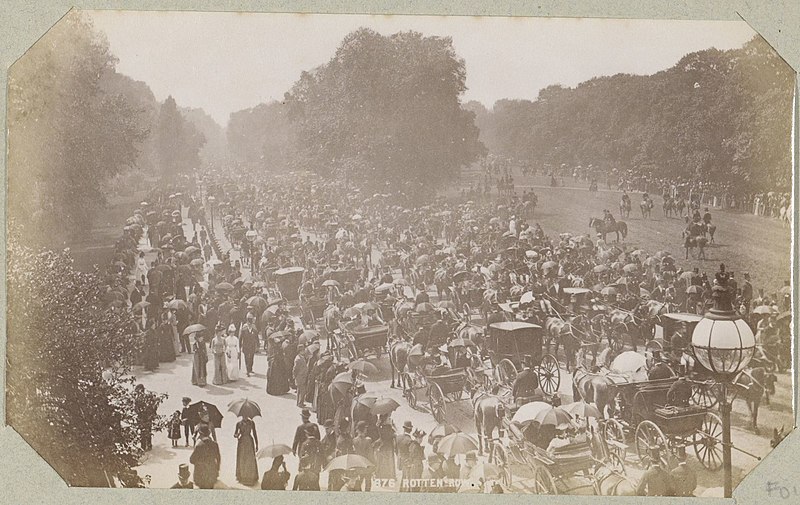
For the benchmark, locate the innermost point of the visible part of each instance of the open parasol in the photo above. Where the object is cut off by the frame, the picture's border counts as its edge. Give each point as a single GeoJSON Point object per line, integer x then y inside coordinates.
{"type": "Point", "coordinates": [197, 411]}
{"type": "Point", "coordinates": [273, 451]}
{"type": "Point", "coordinates": [194, 328]}
{"type": "Point", "coordinates": [348, 462]}
{"type": "Point", "coordinates": [582, 409]}
{"type": "Point", "coordinates": [456, 443]}
{"type": "Point", "coordinates": [628, 361]}
{"type": "Point", "coordinates": [244, 407]}
{"type": "Point", "coordinates": [528, 412]}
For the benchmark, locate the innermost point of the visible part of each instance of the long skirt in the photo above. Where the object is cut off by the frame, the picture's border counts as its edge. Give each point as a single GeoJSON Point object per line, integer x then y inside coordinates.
{"type": "Point", "coordinates": [233, 367]}
{"type": "Point", "coordinates": [199, 372]}
{"type": "Point", "coordinates": [166, 352]}
{"type": "Point", "coordinates": [385, 464]}
{"type": "Point", "coordinates": [277, 377]}
{"type": "Point", "coordinates": [220, 369]}
{"type": "Point", "coordinates": [246, 465]}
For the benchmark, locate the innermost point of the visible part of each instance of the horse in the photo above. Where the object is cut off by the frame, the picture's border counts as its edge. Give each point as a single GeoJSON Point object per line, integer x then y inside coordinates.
{"type": "Point", "coordinates": [613, 483]}
{"type": "Point", "coordinates": [680, 206]}
{"type": "Point", "coordinates": [691, 241]}
{"type": "Point", "coordinates": [398, 359]}
{"type": "Point", "coordinates": [753, 384]}
{"type": "Point", "coordinates": [602, 228]}
{"type": "Point", "coordinates": [489, 413]}
{"type": "Point", "coordinates": [563, 333]}
{"type": "Point", "coordinates": [709, 229]}
{"type": "Point", "coordinates": [668, 206]}
{"type": "Point", "coordinates": [646, 206]}
{"type": "Point", "coordinates": [593, 388]}
{"type": "Point", "coordinates": [624, 208]}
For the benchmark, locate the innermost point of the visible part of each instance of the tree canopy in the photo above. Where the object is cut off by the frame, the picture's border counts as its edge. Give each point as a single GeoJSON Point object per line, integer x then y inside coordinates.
{"type": "Point", "coordinates": [385, 110]}
{"type": "Point", "coordinates": [55, 99]}
{"type": "Point", "coordinates": [178, 142]}
{"type": "Point", "coordinates": [716, 116]}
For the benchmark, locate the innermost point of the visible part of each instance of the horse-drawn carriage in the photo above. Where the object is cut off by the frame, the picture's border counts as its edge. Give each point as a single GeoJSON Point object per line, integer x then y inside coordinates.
{"type": "Point", "coordinates": [288, 281]}
{"type": "Point", "coordinates": [353, 340]}
{"type": "Point", "coordinates": [438, 383]}
{"type": "Point", "coordinates": [511, 342]}
{"type": "Point", "coordinates": [575, 468]}
{"type": "Point", "coordinates": [642, 408]}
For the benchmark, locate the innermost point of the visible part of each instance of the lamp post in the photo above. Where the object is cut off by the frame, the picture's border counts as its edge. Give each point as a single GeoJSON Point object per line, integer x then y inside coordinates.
{"type": "Point", "coordinates": [211, 202]}
{"type": "Point", "coordinates": [723, 343]}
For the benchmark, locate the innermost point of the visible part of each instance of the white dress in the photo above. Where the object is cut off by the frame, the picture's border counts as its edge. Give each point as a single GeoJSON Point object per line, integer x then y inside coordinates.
{"type": "Point", "coordinates": [232, 356]}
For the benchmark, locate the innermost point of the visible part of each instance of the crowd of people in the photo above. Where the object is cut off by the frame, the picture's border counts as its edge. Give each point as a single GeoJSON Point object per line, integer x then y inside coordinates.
{"type": "Point", "coordinates": [189, 296]}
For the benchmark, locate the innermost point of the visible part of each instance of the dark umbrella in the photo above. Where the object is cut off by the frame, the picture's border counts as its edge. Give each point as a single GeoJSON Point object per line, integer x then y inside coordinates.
{"type": "Point", "coordinates": [244, 407]}
{"type": "Point", "coordinates": [214, 415]}
{"type": "Point", "coordinates": [141, 306]}
{"type": "Point", "coordinates": [224, 286]}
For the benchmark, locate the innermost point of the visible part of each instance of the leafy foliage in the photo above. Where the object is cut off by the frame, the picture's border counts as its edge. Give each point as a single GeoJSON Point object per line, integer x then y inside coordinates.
{"type": "Point", "coordinates": [64, 130]}
{"type": "Point", "coordinates": [263, 136]}
{"type": "Point", "coordinates": [718, 116]}
{"type": "Point", "coordinates": [178, 142]}
{"type": "Point", "coordinates": [69, 393]}
{"type": "Point", "coordinates": [385, 110]}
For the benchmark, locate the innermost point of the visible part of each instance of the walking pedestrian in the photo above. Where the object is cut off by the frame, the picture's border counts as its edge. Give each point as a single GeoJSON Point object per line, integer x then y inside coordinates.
{"type": "Point", "coordinates": [276, 477]}
{"type": "Point", "coordinates": [141, 268]}
{"type": "Point", "coordinates": [385, 451]}
{"type": "Point", "coordinates": [188, 427]}
{"type": "Point", "coordinates": [248, 340]}
{"type": "Point", "coordinates": [246, 464]}
{"type": "Point", "coordinates": [151, 346]}
{"type": "Point", "coordinates": [199, 361]}
{"type": "Point", "coordinates": [232, 355]}
{"type": "Point", "coordinates": [218, 351]}
{"type": "Point", "coordinates": [174, 428]}
{"type": "Point", "coordinates": [300, 373]}
{"type": "Point", "coordinates": [206, 459]}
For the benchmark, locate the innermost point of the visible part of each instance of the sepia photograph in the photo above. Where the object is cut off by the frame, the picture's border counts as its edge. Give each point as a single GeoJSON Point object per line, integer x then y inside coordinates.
{"type": "Point", "coordinates": [403, 254]}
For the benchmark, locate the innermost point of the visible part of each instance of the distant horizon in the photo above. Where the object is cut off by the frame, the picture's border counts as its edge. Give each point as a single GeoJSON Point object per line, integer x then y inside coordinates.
{"type": "Point", "coordinates": [254, 58]}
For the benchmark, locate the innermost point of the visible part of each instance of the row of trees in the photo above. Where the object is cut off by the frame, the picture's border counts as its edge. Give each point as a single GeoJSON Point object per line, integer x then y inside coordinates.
{"type": "Point", "coordinates": [76, 124]}
{"type": "Point", "coordinates": [721, 116]}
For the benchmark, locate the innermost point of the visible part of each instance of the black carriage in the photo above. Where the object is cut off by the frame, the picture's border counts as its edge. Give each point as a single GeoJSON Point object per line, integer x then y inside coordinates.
{"type": "Point", "coordinates": [643, 410]}
{"type": "Point", "coordinates": [353, 340]}
{"type": "Point", "coordinates": [509, 342]}
{"type": "Point", "coordinates": [288, 281]}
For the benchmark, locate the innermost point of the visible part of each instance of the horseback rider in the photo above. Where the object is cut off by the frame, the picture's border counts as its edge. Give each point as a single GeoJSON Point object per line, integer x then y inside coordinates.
{"type": "Point", "coordinates": [706, 217]}
{"type": "Point", "coordinates": [608, 219]}
{"type": "Point", "coordinates": [625, 198]}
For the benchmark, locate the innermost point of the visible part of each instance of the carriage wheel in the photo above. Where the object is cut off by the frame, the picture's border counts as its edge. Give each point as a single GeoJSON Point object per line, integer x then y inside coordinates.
{"type": "Point", "coordinates": [408, 390]}
{"type": "Point", "coordinates": [704, 395]}
{"type": "Point", "coordinates": [708, 442]}
{"type": "Point", "coordinates": [615, 431]}
{"type": "Point", "coordinates": [615, 463]}
{"type": "Point", "coordinates": [545, 483]}
{"type": "Point", "coordinates": [506, 373]}
{"type": "Point", "coordinates": [436, 401]}
{"type": "Point", "coordinates": [648, 434]}
{"type": "Point", "coordinates": [617, 342]}
{"type": "Point", "coordinates": [456, 395]}
{"type": "Point", "coordinates": [549, 374]}
{"type": "Point", "coordinates": [500, 458]}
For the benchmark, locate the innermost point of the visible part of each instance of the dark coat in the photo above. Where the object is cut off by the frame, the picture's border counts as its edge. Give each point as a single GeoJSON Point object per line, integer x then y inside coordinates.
{"type": "Point", "coordinates": [205, 459]}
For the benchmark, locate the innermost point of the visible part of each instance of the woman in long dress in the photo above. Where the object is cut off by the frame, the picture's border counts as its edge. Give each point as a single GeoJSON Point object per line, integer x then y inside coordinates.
{"type": "Point", "coordinates": [232, 355]}
{"type": "Point", "coordinates": [246, 465]}
{"type": "Point", "coordinates": [385, 452]}
{"type": "Point", "coordinates": [166, 351]}
{"type": "Point", "coordinates": [141, 268]}
{"type": "Point", "coordinates": [199, 361]}
{"type": "Point", "coordinates": [220, 366]}
{"type": "Point", "coordinates": [277, 374]}
{"type": "Point", "coordinates": [150, 347]}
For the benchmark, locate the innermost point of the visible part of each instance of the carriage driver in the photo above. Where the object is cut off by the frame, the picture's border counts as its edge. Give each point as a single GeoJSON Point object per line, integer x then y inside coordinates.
{"type": "Point", "coordinates": [526, 384]}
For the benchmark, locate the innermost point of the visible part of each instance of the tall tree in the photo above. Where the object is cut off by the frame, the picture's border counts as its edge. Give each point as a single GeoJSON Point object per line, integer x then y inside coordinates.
{"type": "Point", "coordinates": [386, 111]}
{"type": "Point", "coordinates": [64, 131]}
{"type": "Point", "coordinates": [178, 142]}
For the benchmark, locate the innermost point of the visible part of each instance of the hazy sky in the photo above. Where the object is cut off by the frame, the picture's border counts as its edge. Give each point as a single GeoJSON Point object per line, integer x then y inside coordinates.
{"type": "Point", "coordinates": [224, 62]}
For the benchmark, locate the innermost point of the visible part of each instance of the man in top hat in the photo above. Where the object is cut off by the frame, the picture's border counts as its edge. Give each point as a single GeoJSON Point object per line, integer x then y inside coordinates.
{"type": "Point", "coordinates": [525, 384]}
{"type": "Point", "coordinates": [328, 442]}
{"type": "Point", "coordinates": [684, 480]}
{"type": "Point", "coordinates": [433, 471]}
{"type": "Point", "coordinates": [439, 331]}
{"type": "Point", "coordinates": [747, 293]}
{"type": "Point", "coordinates": [402, 441]}
{"type": "Point", "coordinates": [248, 340]}
{"type": "Point", "coordinates": [412, 469]}
{"type": "Point", "coordinates": [656, 481]}
{"type": "Point", "coordinates": [300, 374]}
{"type": "Point", "coordinates": [183, 478]}
{"type": "Point", "coordinates": [302, 431]}
{"type": "Point", "coordinates": [188, 427]}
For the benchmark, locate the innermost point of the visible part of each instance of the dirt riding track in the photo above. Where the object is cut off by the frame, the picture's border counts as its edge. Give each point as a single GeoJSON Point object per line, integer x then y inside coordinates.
{"type": "Point", "coordinates": [744, 242]}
